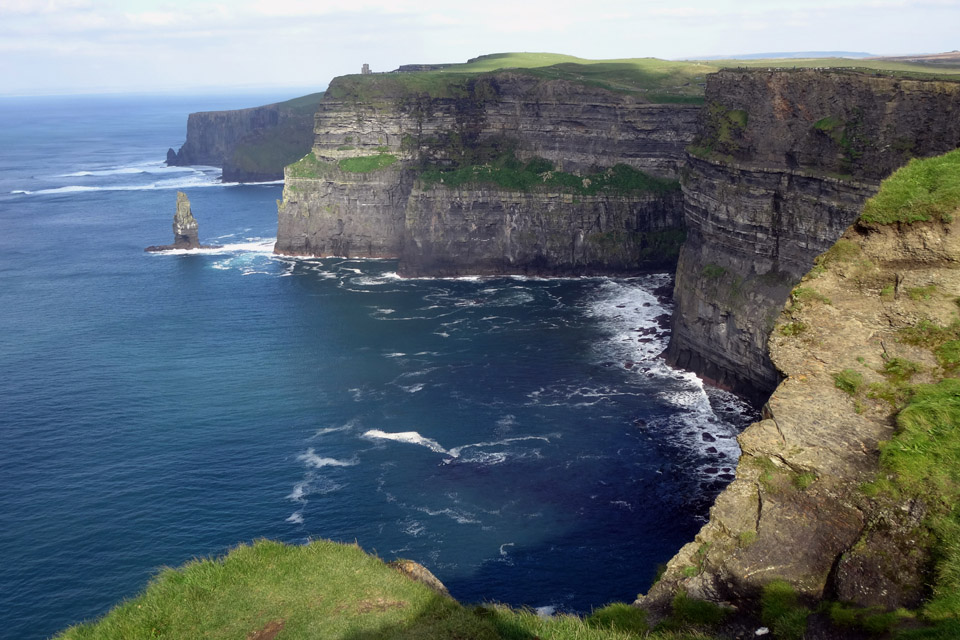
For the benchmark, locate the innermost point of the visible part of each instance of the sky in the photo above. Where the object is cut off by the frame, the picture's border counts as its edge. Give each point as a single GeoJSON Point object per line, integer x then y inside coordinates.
{"type": "Point", "coordinates": [97, 46]}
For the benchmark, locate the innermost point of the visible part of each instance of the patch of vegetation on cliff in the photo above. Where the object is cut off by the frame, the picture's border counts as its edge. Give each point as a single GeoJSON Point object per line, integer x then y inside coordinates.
{"type": "Point", "coordinates": [923, 190]}
{"type": "Point", "coordinates": [308, 167]}
{"type": "Point", "coordinates": [509, 173]}
{"type": "Point", "coordinates": [366, 164]}
{"type": "Point", "coordinates": [723, 132]}
{"type": "Point", "coordinates": [922, 461]}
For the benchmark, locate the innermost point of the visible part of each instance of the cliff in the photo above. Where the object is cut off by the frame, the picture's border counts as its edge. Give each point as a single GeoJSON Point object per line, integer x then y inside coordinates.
{"type": "Point", "coordinates": [490, 173]}
{"type": "Point", "coordinates": [823, 498]}
{"type": "Point", "coordinates": [782, 163]}
{"type": "Point", "coordinates": [252, 144]}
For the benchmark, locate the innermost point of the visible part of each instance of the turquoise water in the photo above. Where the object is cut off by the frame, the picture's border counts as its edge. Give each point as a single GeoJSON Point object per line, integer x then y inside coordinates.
{"type": "Point", "coordinates": [516, 436]}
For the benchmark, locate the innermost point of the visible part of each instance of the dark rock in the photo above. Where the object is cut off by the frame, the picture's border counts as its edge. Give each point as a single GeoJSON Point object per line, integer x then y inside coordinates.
{"type": "Point", "coordinates": [707, 437]}
{"type": "Point", "coordinates": [171, 158]}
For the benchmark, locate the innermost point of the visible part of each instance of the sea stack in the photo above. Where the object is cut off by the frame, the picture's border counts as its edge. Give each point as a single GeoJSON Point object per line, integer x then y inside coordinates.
{"type": "Point", "coordinates": [185, 228]}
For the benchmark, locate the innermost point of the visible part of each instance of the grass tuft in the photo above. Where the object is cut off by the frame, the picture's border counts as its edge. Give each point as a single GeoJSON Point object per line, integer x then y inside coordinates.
{"type": "Point", "coordinates": [923, 190]}
{"type": "Point", "coordinates": [848, 381]}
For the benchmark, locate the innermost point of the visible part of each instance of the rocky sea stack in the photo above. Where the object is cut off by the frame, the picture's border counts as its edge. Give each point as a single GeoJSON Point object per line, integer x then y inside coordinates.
{"type": "Point", "coordinates": [185, 228]}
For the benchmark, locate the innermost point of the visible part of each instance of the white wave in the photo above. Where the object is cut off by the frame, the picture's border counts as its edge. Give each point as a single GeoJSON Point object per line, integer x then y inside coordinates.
{"type": "Point", "coordinates": [310, 458]}
{"type": "Point", "coordinates": [457, 516]}
{"type": "Point", "coordinates": [413, 388]}
{"type": "Point", "coordinates": [262, 246]}
{"type": "Point", "coordinates": [196, 179]}
{"type": "Point", "coordinates": [158, 167]}
{"type": "Point", "coordinates": [505, 544]}
{"type": "Point", "coordinates": [410, 437]}
{"type": "Point", "coordinates": [299, 491]}
{"type": "Point", "coordinates": [345, 427]}
{"type": "Point", "coordinates": [395, 354]}
{"type": "Point", "coordinates": [456, 451]}
{"type": "Point", "coordinates": [296, 517]}
{"type": "Point", "coordinates": [546, 611]}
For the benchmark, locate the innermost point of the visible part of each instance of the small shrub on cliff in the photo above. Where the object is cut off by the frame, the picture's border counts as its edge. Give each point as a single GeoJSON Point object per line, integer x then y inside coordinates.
{"type": "Point", "coordinates": [923, 190]}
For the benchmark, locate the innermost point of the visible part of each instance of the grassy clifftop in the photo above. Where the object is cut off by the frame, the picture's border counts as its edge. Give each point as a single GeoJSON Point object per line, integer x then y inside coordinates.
{"type": "Point", "coordinates": [653, 79]}
{"type": "Point", "coordinates": [327, 590]}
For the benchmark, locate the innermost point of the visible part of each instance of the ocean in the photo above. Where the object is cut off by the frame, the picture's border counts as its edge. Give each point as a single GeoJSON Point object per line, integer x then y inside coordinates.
{"type": "Point", "coordinates": [517, 436]}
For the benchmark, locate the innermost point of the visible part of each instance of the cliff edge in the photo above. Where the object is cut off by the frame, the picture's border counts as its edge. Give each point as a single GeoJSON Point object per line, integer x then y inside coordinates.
{"type": "Point", "coordinates": [822, 498]}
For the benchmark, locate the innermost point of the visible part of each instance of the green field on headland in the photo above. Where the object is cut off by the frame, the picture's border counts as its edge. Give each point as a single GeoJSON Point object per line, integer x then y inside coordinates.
{"type": "Point", "coordinates": [654, 79]}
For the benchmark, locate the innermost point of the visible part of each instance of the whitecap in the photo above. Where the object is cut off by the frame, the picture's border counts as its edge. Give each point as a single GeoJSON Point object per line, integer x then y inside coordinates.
{"type": "Point", "coordinates": [310, 458]}
{"type": "Point", "coordinates": [299, 491]}
{"type": "Point", "coordinates": [410, 437]}
{"type": "Point", "coordinates": [413, 388]}
{"type": "Point", "coordinates": [296, 517]}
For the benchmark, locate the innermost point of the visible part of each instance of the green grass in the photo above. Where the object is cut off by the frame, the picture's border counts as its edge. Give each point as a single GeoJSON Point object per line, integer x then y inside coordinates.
{"type": "Point", "coordinates": [366, 164]}
{"type": "Point", "coordinates": [848, 381]}
{"type": "Point", "coordinates": [923, 459]}
{"type": "Point", "coordinates": [309, 167]}
{"type": "Point", "coordinates": [326, 590]}
{"type": "Point", "coordinates": [948, 354]}
{"type": "Point", "coordinates": [507, 172]}
{"type": "Point", "coordinates": [921, 293]}
{"type": "Point", "coordinates": [899, 370]}
{"type": "Point", "coordinates": [930, 334]}
{"type": "Point", "coordinates": [782, 612]}
{"type": "Point", "coordinates": [923, 190]}
{"type": "Point", "coordinates": [802, 296]}
{"type": "Point", "coordinates": [654, 79]}
{"type": "Point", "coordinates": [793, 328]}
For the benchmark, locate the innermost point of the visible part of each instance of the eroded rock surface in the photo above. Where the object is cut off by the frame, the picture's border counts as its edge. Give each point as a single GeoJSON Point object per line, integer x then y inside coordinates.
{"type": "Point", "coordinates": [185, 228]}
{"type": "Point", "coordinates": [796, 509]}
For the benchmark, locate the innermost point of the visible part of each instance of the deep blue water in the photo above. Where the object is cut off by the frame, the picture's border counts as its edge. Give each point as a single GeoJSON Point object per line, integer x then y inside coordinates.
{"type": "Point", "coordinates": [516, 436]}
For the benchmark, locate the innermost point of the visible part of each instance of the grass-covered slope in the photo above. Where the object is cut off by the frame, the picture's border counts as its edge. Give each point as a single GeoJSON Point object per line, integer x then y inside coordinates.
{"type": "Point", "coordinates": [325, 590]}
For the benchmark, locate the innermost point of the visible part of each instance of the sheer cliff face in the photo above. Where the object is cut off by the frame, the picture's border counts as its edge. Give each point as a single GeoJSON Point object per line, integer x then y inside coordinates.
{"type": "Point", "coordinates": [781, 165]}
{"type": "Point", "coordinates": [437, 230]}
{"type": "Point", "coordinates": [249, 144]}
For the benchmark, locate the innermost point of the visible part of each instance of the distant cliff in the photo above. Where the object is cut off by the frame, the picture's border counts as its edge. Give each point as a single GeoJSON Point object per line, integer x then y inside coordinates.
{"type": "Point", "coordinates": [249, 144]}
{"type": "Point", "coordinates": [782, 163]}
{"type": "Point", "coordinates": [495, 173]}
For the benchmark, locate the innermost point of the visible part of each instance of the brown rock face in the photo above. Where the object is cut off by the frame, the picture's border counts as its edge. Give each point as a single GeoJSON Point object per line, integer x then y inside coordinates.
{"type": "Point", "coordinates": [796, 509]}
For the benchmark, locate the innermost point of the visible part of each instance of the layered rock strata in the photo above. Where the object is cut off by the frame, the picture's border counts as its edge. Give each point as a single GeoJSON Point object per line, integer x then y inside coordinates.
{"type": "Point", "coordinates": [479, 228]}
{"type": "Point", "coordinates": [797, 510]}
{"type": "Point", "coordinates": [781, 165]}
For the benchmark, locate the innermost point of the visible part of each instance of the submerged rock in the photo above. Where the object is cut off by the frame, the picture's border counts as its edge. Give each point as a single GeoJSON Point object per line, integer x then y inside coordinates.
{"type": "Point", "coordinates": [185, 228]}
